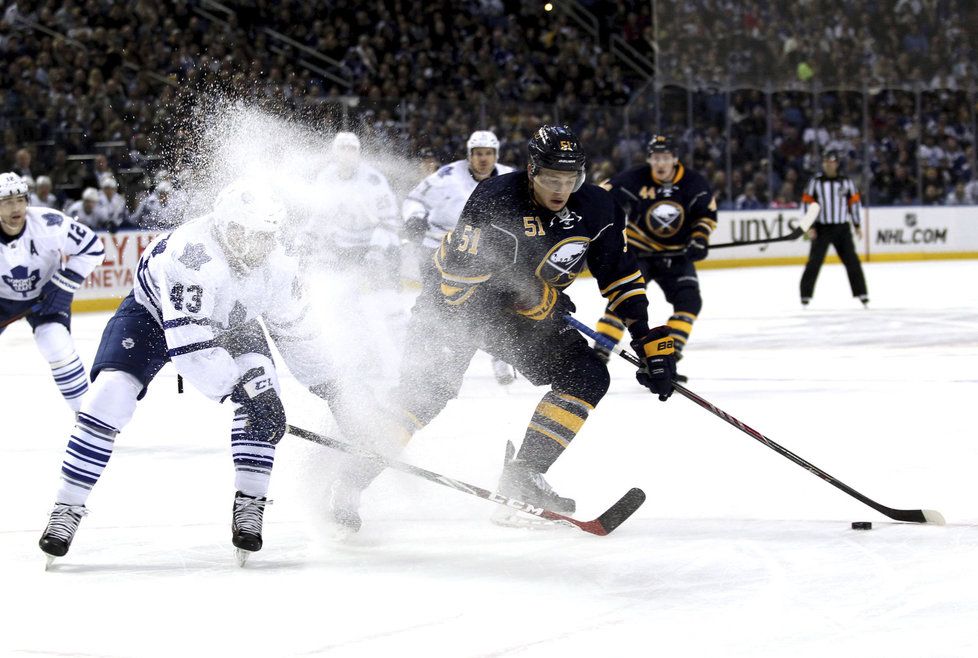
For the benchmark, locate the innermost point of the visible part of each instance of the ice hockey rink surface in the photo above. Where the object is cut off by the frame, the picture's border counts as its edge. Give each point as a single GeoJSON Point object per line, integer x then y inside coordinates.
{"type": "Point", "coordinates": [737, 551]}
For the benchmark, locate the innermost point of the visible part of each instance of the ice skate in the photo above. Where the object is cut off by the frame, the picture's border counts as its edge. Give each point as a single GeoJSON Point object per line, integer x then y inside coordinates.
{"type": "Point", "coordinates": [865, 300]}
{"type": "Point", "coordinates": [505, 373]}
{"type": "Point", "coordinates": [344, 508]}
{"type": "Point", "coordinates": [246, 522]}
{"type": "Point", "coordinates": [522, 483]}
{"type": "Point", "coordinates": [61, 529]}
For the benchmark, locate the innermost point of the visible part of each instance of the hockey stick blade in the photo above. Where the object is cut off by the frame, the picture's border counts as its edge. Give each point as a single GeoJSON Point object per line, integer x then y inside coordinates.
{"type": "Point", "coordinates": [613, 517]}
{"type": "Point", "coordinates": [910, 515]}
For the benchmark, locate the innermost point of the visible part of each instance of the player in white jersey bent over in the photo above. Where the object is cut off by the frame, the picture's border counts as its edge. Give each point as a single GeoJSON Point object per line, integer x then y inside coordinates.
{"type": "Point", "coordinates": [198, 295]}
{"type": "Point", "coordinates": [433, 207]}
{"type": "Point", "coordinates": [44, 258]}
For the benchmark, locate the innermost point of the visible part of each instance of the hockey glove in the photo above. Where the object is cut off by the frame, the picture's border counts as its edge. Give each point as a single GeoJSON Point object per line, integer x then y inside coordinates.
{"type": "Point", "coordinates": [697, 248]}
{"type": "Point", "coordinates": [266, 415]}
{"type": "Point", "coordinates": [415, 228]}
{"type": "Point", "coordinates": [658, 356]}
{"type": "Point", "coordinates": [56, 295]}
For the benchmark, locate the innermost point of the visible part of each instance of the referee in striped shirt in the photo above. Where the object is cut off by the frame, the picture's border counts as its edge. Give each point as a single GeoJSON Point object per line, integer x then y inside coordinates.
{"type": "Point", "coordinates": [839, 200]}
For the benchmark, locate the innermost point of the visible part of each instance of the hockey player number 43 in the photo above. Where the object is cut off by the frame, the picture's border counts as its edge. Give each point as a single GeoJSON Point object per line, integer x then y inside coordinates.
{"type": "Point", "coordinates": [189, 297]}
{"type": "Point", "coordinates": [469, 242]}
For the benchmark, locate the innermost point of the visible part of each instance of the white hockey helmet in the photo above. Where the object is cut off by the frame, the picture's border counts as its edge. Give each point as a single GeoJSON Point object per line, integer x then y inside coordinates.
{"type": "Point", "coordinates": [346, 140]}
{"type": "Point", "coordinates": [90, 194]}
{"type": "Point", "coordinates": [482, 139]}
{"type": "Point", "coordinates": [251, 204]}
{"type": "Point", "coordinates": [12, 185]}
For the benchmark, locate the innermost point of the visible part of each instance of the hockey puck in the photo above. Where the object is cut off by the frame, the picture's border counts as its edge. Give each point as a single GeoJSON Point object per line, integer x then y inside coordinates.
{"type": "Point", "coordinates": [862, 525]}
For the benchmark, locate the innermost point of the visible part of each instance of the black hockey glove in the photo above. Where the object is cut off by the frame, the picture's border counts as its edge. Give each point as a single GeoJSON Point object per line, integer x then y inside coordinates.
{"type": "Point", "coordinates": [658, 355]}
{"type": "Point", "coordinates": [56, 295]}
{"type": "Point", "coordinates": [697, 248]}
{"type": "Point", "coordinates": [415, 228]}
{"type": "Point", "coordinates": [266, 415]}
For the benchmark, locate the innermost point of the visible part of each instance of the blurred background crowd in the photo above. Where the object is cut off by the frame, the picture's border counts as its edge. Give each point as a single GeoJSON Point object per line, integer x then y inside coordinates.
{"type": "Point", "coordinates": [95, 95]}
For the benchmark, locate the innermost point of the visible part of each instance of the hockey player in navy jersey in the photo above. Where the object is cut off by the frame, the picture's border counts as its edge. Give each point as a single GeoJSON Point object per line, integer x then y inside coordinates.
{"type": "Point", "coordinates": [671, 213]}
{"type": "Point", "coordinates": [199, 293]}
{"type": "Point", "coordinates": [498, 285]}
{"type": "Point", "coordinates": [44, 258]}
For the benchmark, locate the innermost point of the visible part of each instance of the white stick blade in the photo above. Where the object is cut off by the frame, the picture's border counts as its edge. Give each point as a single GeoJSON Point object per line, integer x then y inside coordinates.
{"type": "Point", "coordinates": [810, 215]}
{"type": "Point", "coordinates": [933, 516]}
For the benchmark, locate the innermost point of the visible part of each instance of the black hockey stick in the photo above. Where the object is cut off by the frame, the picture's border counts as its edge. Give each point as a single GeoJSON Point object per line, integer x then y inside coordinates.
{"type": "Point", "coordinates": [11, 320]}
{"type": "Point", "coordinates": [795, 233]}
{"type": "Point", "coordinates": [911, 515]}
{"type": "Point", "coordinates": [613, 517]}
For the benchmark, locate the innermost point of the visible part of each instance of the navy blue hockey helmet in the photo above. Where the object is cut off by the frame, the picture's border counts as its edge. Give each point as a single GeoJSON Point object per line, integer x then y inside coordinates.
{"type": "Point", "coordinates": [661, 144]}
{"type": "Point", "coordinates": [557, 147]}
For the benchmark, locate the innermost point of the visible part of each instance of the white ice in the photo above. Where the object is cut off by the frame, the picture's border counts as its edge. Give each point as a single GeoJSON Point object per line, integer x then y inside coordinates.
{"type": "Point", "coordinates": [737, 552]}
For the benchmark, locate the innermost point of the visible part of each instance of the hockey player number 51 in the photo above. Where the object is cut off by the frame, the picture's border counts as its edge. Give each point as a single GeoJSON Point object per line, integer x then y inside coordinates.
{"type": "Point", "coordinates": [469, 242]}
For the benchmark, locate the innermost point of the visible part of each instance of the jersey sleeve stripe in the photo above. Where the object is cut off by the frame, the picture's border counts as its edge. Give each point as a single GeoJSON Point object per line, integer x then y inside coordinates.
{"type": "Point", "coordinates": [182, 322]}
{"type": "Point", "coordinates": [192, 347]}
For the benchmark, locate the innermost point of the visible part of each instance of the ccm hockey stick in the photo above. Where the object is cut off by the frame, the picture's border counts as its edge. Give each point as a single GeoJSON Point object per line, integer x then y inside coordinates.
{"type": "Point", "coordinates": [911, 515]}
{"type": "Point", "coordinates": [613, 517]}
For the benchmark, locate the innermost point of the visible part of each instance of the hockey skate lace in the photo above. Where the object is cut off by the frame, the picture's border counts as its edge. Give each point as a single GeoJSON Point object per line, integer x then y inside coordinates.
{"type": "Point", "coordinates": [248, 514]}
{"type": "Point", "coordinates": [64, 521]}
{"type": "Point", "coordinates": [542, 484]}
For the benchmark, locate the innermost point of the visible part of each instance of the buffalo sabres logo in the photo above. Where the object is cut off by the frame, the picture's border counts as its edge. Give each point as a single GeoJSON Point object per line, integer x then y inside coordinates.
{"type": "Point", "coordinates": [664, 219]}
{"type": "Point", "coordinates": [566, 218]}
{"type": "Point", "coordinates": [563, 262]}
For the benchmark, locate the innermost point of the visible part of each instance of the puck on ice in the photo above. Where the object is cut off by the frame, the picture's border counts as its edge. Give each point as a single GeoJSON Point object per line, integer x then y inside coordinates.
{"type": "Point", "coordinates": [862, 525]}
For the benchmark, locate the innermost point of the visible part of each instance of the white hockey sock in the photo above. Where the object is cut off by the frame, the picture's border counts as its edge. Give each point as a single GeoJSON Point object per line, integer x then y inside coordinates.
{"type": "Point", "coordinates": [54, 342]}
{"type": "Point", "coordinates": [253, 460]}
{"type": "Point", "coordinates": [105, 411]}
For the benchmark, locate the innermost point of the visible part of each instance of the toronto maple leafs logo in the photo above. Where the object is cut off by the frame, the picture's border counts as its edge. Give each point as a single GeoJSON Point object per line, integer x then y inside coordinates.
{"type": "Point", "coordinates": [563, 262]}
{"type": "Point", "coordinates": [664, 218]}
{"type": "Point", "coordinates": [52, 219]}
{"type": "Point", "coordinates": [21, 280]}
{"type": "Point", "coordinates": [194, 256]}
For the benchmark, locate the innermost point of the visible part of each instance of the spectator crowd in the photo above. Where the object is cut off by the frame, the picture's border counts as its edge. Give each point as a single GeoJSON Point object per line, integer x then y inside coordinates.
{"type": "Point", "coordinates": [96, 94]}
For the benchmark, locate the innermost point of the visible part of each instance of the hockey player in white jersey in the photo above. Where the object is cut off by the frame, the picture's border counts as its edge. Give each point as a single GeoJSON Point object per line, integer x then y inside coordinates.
{"type": "Point", "coordinates": [198, 295]}
{"type": "Point", "coordinates": [355, 223]}
{"type": "Point", "coordinates": [44, 258]}
{"type": "Point", "coordinates": [433, 207]}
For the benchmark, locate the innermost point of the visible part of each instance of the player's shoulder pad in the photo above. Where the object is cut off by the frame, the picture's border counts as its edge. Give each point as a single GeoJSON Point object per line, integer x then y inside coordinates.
{"type": "Point", "coordinates": [595, 198]}
{"type": "Point", "coordinates": [696, 179]}
{"type": "Point", "coordinates": [48, 220]}
{"type": "Point", "coordinates": [444, 171]}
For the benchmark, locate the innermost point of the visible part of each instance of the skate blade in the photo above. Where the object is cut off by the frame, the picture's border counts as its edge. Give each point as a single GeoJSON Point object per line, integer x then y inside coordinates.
{"type": "Point", "coordinates": [241, 556]}
{"type": "Point", "coordinates": [509, 518]}
{"type": "Point", "coordinates": [48, 562]}
{"type": "Point", "coordinates": [337, 532]}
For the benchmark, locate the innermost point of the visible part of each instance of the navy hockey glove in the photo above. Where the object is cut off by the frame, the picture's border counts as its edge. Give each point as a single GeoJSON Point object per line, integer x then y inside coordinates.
{"type": "Point", "coordinates": [415, 228]}
{"type": "Point", "coordinates": [697, 248]}
{"type": "Point", "coordinates": [657, 352]}
{"type": "Point", "coordinates": [56, 295]}
{"type": "Point", "coordinates": [266, 415]}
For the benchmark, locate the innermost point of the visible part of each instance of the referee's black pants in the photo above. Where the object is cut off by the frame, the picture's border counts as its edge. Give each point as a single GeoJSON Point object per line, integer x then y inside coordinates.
{"type": "Point", "coordinates": [840, 237]}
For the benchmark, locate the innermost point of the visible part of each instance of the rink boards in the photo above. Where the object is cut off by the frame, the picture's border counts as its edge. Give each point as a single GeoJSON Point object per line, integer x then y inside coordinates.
{"type": "Point", "coordinates": [890, 234]}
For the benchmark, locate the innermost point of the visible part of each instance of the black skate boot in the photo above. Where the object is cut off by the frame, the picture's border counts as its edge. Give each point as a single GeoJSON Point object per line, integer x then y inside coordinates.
{"type": "Point", "coordinates": [680, 379]}
{"type": "Point", "coordinates": [246, 520]}
{"type": "Point", "coordinates": [61, 529]}
{"type": "Point", "coordinates": [344, 507]}
{"type": "Point", "coordinates": [521, 482]}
